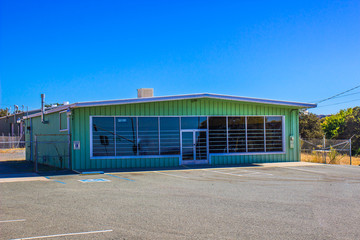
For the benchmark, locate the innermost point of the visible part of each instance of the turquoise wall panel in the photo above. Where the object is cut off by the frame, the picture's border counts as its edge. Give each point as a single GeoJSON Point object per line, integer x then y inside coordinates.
{"type": "Point", "coordinates": [81, 130]}
{"type": "Point", "coordinates": [50, 145]}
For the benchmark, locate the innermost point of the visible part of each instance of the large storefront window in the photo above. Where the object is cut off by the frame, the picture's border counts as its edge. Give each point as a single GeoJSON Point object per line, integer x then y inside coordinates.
{"type": "Point", "coordinates": [160, 136]}
{"type": "Point", "coordinates": [103, 136]}
{"type": "Point", "coordinates": [148, 142]}
{"type": "Point", "coordinates": [255, 134]}
{"type": "Point", "coordinates": [217, 135]}
{"type": "Point", "coordinates": [193, 122]}
{"type": "Point", "coordinates": [126, 136]}
{"type": "Point", "coordinates": [169, 136]}
{"type": "Point", "coordinates": [273, 127]}
{"type": "Point", "coordinates": [237, 134]}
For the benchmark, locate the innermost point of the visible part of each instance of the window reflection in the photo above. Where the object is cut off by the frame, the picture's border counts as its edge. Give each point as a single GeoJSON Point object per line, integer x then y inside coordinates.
{"type": "Point", "coordinates": [193, 122]}
{"type": "Point", "coordinates": [237, 134]}
{"type": "Point", "coordinates": [169, 135]}
{"type": "Point", "coordinates": [103, 136]}
{"type": "Point", "coordinates": [217, 135]}
{"type": "Point", "coordinates": [126, 136]}
{"type": "Point", "coordinates": [255, 134]}
{"type": "Point", "coordinates": [273, 134]}
{"type": "Point", "coordinates": [148, 133]}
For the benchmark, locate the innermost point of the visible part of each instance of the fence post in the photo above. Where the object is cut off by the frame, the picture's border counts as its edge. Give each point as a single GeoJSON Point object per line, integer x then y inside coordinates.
{"type": "Point", "coordinates": [324, 153]}
{"type": "Point", "coordinates": [350, 151]}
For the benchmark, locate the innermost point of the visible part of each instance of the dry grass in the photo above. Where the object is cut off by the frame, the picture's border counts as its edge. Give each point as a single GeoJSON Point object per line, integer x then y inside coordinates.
{"type": "Point", "coordinates": [317, 157]}
{"type": "Point", "coordinates": [11, 154]}
{"type": "Point", "coordinates": [11, 150]}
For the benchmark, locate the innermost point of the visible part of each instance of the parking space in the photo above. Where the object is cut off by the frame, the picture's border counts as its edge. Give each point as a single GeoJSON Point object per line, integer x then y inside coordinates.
{"type": "Point", "coordinates": [264, 202]}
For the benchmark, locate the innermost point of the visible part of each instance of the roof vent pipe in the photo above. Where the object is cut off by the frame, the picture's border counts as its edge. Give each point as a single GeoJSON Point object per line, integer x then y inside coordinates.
{"type": "Point", "coordinates": [145, 92]}
{"type": "Point", "coordinates": [42, 108]}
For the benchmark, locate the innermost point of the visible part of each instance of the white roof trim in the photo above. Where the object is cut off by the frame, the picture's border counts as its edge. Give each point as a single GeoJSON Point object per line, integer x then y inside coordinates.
{"type": "Point", "coordinates": [179, 97]}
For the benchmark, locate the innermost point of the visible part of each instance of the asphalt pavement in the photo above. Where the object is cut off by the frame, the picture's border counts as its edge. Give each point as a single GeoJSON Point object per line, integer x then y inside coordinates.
{"type": "Point", "coordinates": [272, 201]}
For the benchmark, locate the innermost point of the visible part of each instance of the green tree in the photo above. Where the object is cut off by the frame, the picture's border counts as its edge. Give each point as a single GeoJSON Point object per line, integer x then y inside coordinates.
{"type": "Point", "coordinates": [3, 112]}
{"type": "Point", "coordinates": [344, 125]}
{"type": "Point", "coordinates": [50, 104]}
{"type": "Point", "coordinates": [310, 126]}
{"type": "Point", "coordinates": [334, 124]}
{"type": "Point", "coordinates": [352, 129]}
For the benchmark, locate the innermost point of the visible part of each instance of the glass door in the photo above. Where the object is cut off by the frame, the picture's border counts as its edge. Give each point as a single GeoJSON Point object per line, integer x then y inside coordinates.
{"type": "Point", "coordinates": [194, 146]}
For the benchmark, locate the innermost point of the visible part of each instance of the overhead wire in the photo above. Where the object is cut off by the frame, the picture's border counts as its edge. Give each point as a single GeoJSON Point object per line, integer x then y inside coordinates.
{"type": "Point", "coordinates": [337, 95]}
{"type": "Point", "coordinates": [339, 103]}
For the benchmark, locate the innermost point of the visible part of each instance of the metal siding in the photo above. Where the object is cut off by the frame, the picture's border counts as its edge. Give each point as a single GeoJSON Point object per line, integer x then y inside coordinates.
{"type": "Point", "coordinates": [81, 158]}
{"type": "Point", "coordinates": [52, 127]}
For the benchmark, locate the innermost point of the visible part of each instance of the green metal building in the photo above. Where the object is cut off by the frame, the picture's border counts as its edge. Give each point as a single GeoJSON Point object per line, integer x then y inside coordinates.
{"type": "Point", "coordinates": [160, 132]}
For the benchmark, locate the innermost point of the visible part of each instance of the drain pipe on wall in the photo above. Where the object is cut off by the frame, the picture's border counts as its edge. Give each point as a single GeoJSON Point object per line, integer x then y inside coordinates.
{"type": "Point", "coordinates": [292, 132]}
{"type": "Point", "coordinates": [68, 116]}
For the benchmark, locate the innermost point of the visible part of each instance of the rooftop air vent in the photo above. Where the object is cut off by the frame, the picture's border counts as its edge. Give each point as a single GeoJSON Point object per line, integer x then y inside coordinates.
{"type": "Point", "coordinates": [145, 92]}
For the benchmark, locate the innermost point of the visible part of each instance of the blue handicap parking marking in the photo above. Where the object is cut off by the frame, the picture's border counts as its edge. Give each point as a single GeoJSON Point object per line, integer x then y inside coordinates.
{"type": "Point", "coordinates": [94, 180]}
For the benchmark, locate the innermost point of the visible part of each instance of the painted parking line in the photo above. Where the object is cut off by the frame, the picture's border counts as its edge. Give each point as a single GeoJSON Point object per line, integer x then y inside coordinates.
{"type": "Point", "coordinates": [243, 173]}
{"type": "Point", "coordinates": [120, 177]}
{"type": "Point", "coordinates": [17, 220]}
{"type": "Point", "coordinates": [55, 180]}
{"type": "Point", "coordinates": [94, 180]}
{"type": "Point", "coordinates": [168, 174]}
{"type": "Point", "coordinates": [65, 234]}
{"type": "Point", "coordinates": [251, 173]}
{"type": "Point", "coordinates": [303, 170]}
{"type": "Point", "coordinates": [352, 167]}
{"type": "Point", "coordinates": [226, 173]}
{"type": "Point", "coordinates": [248, 172]}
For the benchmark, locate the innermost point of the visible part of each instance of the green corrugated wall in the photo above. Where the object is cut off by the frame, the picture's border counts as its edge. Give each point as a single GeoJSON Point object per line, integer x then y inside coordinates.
{"type": "Point", "coordinates": [81, 130]}
{"type": "Point", "coordinates": [49, 148]}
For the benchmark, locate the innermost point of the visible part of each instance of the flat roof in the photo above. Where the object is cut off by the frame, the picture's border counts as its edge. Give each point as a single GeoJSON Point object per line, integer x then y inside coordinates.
{"type": "Point", "coordinates": [178, 97]}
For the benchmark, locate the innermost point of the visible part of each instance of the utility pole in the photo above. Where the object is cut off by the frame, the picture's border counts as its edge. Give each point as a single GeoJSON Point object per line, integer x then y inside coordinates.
{"type": "Point", "coordinates": [324, 146]}
{"type": "Point", "coordinates": [350, 151]}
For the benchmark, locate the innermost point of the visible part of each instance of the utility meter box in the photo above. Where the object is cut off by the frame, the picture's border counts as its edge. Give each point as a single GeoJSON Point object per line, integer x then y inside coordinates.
{"type": "Point", "coordinates": [291, 141]}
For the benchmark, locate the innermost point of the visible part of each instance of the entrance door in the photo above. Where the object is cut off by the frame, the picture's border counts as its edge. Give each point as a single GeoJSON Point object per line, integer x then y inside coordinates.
{"type": "Point", "coordinates": [194, 146]}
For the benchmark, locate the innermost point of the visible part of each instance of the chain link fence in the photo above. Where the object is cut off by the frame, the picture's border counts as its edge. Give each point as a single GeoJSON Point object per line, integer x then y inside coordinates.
{"type": "Point", "coordinates": [12, 148]}
{"type": "Point", "coordinates": [328, 151]}
{"type": "Point", "coordinates": [46, 152]}
{"type": "Point", "coordinates": [52, 150]}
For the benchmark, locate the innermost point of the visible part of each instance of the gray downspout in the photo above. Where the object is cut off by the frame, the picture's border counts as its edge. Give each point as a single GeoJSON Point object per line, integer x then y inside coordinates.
{"type": "Point", "coordinates": [68, 115]}
{"type": "Point", "coordinates": [292, 131]}
{"type": "Point", "coordinates": [31, 141]}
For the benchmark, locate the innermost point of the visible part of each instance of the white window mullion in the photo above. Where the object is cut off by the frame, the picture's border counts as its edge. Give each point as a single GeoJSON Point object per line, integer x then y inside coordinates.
{"type": "Point", "coordinates": [227, 134]}
{"type": "Point", "coordinates": [283, 134]}
{"type": "Point", "coordinates": [180, 158]}
{"type": "Point", "coordinates": [159, 134]}
{"type": "Point", "coordinates": [137, 136]}
{"type": "Point", "coordinates": [207, 138]}
{"type": "Point", "coordinates": [264, 135]}
{"type": "Point", "coordinates": [115, 134]}
{"type": "Point", "coordinates": [246, 134]}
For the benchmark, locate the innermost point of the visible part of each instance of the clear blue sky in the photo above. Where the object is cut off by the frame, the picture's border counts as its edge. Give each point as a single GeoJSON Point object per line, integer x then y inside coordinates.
{"type": "Point", "coordinates": [98, 50]}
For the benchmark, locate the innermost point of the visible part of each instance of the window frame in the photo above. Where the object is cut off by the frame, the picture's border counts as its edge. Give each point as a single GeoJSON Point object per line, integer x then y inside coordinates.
{"type": "Point", "coordinates": [284, 145]}
{"type": "Point", "coordinates": [67, 122]}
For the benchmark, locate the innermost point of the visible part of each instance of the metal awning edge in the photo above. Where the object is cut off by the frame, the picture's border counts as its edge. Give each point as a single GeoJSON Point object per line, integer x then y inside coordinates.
{"type": "Point", "coordinates": [177, 97]}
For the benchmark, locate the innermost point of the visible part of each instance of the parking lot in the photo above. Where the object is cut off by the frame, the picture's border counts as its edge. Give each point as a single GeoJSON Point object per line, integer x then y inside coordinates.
{"type": "Point", "coordinates": [269, 201]}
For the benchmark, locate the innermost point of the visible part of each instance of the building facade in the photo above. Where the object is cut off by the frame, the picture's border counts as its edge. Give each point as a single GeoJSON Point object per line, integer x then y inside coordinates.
{"type": "Point", "coordinates": [160, 132]}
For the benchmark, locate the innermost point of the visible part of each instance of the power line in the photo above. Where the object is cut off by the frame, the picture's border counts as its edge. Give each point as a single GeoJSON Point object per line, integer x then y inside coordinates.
{"type": "Point", "coordinates": [344, 95]}
{"type": "Point", "coordinates": [339, 103]}
{"type": "Point", "coordinates": [326, 99]}
{"type": "Point", "coordinates": [348, 94]}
